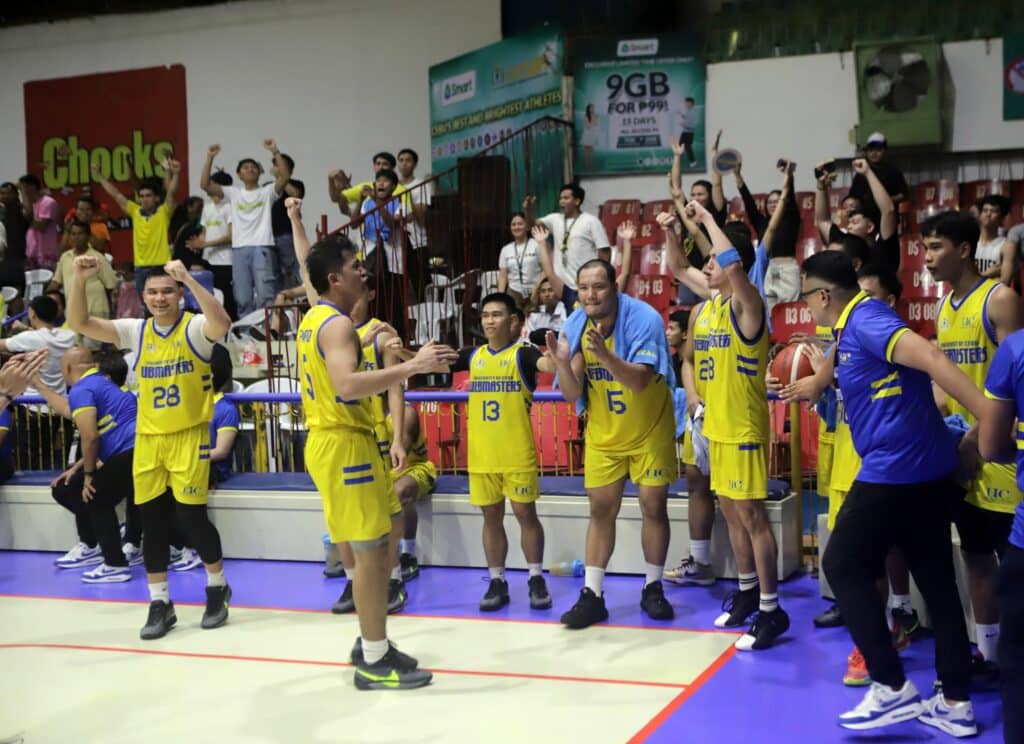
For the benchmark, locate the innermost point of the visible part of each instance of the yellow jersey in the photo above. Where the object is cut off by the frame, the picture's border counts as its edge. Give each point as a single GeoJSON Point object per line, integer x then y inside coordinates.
{"type": "Point", "coordinates": [845, 460]}
{"type": "Point", "coordinates": [150, 246]}
{"type": "Point", "coordinates": [499, 426]}
{"type": "Point", "coordinates": [620, 420]}
{"type": "Point", "coordinates": [701, 356]}
{"type": "Point", "coordinates": [417, 454]}
{"type": "Point", "coordinates": [175, 383]}
{"type": "Point", "coordinates": [825, 337]}
{"type": "Point", "coordinates": [737, 397]}
{"type": "Point", "coordinates": [967, 337]}
{"type": "Point", "coordinates": [374, 359]}
{"type": "Point", "coordinates": [321, 404]}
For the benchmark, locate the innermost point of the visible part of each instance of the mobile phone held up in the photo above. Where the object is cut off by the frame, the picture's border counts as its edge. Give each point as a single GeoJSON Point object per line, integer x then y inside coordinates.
{"type": "Point", "coordinates": [781, 164]}
{"type": "Point", "coordinates": [827, 167]}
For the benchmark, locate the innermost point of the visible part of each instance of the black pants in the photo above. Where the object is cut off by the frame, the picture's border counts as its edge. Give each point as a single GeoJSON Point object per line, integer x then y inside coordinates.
{"type": "Point", "coordinates": [686, 140]}
{"type": "Point", "coordinates": [916, 518]}
{"type": "Point", "coordinates": [96, 520]}
{"type": "Point", "coordinates": [1011, 642]}
{"type": "Point", "coordinates": [159, 518]}
{"type": "Point", "coordinates": [222, 281]}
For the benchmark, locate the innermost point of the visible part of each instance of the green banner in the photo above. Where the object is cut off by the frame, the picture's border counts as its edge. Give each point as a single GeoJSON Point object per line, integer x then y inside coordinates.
{"type": "Point", "coordinates": [483, 96]}
{"type": "Point", "coordinates": [634, 97]}
{"type": "Point", "coordinates": [1013, 76]}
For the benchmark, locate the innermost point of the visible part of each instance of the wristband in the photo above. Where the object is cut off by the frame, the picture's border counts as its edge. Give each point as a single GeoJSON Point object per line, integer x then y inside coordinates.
{"type": "Point", "coordinates": [727, 258]}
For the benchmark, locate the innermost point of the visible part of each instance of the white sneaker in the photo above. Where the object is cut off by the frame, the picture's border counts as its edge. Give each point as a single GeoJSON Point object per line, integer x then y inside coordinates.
{"type": "Point", "coordinates": [956, 720]}
{"type": "Point", "coordinates": [883, 706]}
{"type": "Point", "coordinates": [104, 574]}
{"type": "Point", "coordinates": [175, 555]}
{"type": "Point", "coordinates": [132, 554]}
{"type": "Point", "coordinates": [691, 573]}
{"type": "Point", "coordinates": [79, 556]}
{"type": "Point", "coordinates": [189, 559]}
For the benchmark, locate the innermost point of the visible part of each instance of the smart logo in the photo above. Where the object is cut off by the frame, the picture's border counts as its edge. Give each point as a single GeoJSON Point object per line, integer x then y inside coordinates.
{"type": "Point", "coordinates": [459, 88]}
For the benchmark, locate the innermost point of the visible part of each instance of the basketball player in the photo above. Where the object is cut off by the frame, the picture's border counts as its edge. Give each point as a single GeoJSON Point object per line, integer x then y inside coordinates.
{"type": "Point", "coordinates": [171, 467]}
{"type": "Point", "coordinates": [613, 356]}
{"type": "Point", "coordinates": [413, 483]}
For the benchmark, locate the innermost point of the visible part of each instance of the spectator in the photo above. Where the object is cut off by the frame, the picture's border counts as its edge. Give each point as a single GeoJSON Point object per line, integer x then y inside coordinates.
{"type": "Point", "coordinates": [758, 219]}
{"type": "Point", "coordinates": [42, 318]}
{"type": "Point", "coordinates": [382, 227]}
{"type": "Point", "coordinates": [85, 212]}
{"type": "Point", "coordinates": [519, 267]}
{"type": "Point", "coordinates": [97, 287]}
{"type": "Point", "coordinates": [14, 378]}
{"type": "Point", "coordinates": [418, 194]}
{"type": "Point", "coordinates": [547, 313]}
{"type": "Point", "coordinates": [780, 281]}
{"type": "Point", "coordinates": [126, 297]}
{"type": "Point", "coordinates": [996, 255]}
{"type": "Point", "coordinates": [343, 193]}
{"type": "Point", "coordinates": [874, 219]}
{"type": "Point", "coordinates": [675, 334]}
{"type": "Point", "coordinates": [150, 219]}
{"type": "Point", "coordinates": [288, 274]}
{"type": "Point", "coordinates": [214, 240]}
{"type": "Point", "coordinates": [226, 419]}
{"type": "Point", "coordinates": [891, 177]}
{"type": "Point", "coordinates": [16, 224]}
{"type": "Point", "coordinates": [42, 245]}
{"type": "Point", "coordinates": [688, 121]}
{"type": "Point", "coordinates": [252, 236]}
{"type": "Point", "coordinates": [185, 227]}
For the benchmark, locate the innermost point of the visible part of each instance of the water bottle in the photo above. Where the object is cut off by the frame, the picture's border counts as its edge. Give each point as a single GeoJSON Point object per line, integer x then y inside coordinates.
{"type": "Point", "coordinates": [566, 568]}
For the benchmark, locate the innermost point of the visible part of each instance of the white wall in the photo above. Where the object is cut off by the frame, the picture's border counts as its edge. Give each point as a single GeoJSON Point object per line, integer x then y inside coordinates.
{"type": "Point", "coordinates": [333, 80]}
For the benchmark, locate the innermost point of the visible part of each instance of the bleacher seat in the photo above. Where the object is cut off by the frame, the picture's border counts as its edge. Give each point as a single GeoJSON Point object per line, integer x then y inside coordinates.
{"type": "Point", "coordinates": [653, 261]}
{"type": "Point", "coordinates": [972, 192]}
{"type": "Point", "coordinates": [920, 283]}
{"type": "Point", "coordinates": [919, 313]}
{"type": "Point", "coordinates": [911, 253]}
{"type": "Point", "coordinates": [652, 209]}
{"type": "Point", "coordinates": [614, 212]}
{"type": "Point", "coordinates": [805, 205]}
{"type": "Point", "coordinates": [655, 290]}
{"type": "Point", "coordinates": [933, 197]}
{"type": "Point", "coordinates": [790, 318]}
{"type": "Point", "coordinates": [647, 233]}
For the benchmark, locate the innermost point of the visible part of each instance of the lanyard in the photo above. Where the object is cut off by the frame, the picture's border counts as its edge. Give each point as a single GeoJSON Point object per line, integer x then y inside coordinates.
{"type": "Point", "coordinates": [520, 258]}
{"type": "Point", "coordinates": [566, 230]}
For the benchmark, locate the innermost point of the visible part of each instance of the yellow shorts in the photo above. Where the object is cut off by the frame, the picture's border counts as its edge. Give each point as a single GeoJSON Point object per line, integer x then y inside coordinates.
{"type": "Point", "coordinates": [739, 471]}
{"type": "Point", "coordinates": [995, 488]}
{"type": "Point", "coordinates": [655, 467]}
{"type": "Point", "coordinates": [688, 457]}
{"type": "Point", "coordinates": [423, 473]}
{"type": "Point", "coordinates": [835, 503]}
{"type": "Point", "coordinates": [353, 482]}
{"type": "Point", "coordinates": [487, 489]}
{"type": "Point", "coordinates": [824, 465]}
{"type": "Point", "coordinates": [180, 460]}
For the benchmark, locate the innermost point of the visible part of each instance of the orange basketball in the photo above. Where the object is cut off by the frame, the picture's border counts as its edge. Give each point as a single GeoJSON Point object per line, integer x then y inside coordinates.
{"type": "Point", "coordinates": [791, 364]}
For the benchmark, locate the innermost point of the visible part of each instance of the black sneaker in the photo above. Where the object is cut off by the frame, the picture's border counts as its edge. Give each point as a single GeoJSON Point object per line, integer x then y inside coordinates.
{"type": "Point", "coordinates": [161, 619]}
{"type": "Point", "coordinates": [337, 571]}
{"type": "Point", "coordinates": [539, 597]}
{"type": "Point", "coordinates": [216, 612]}
{"type": "Point", "coordinates": [830, 618]}
{"type": "Point", "coordinates": [909, 621]}
{"type": "Point", "coordinates": [984, 674]}
{"type": "Point", "coordinates": [396, 596]}
{"type": "Point", "coordinates": [496, 596]}
{"type": "Point", "coordinates": [766, 628]}
{"type": "Point", "coordinates": [589, 609]}
{"type": "Point", "coordinates": [390, 674]}
{"type": "Point", "coordinates": [653, 602]}
{"type": "Point", "coordinates": [346, 602]}
{"type": "Point", "coordinates": [410, 566]}
{"type": "Point", "coordinates": [737, 607]}
{"type": "Point", "coordinates": [403, 662]}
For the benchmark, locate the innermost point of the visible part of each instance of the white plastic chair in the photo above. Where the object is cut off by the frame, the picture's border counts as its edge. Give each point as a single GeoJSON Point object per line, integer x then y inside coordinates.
{"type": "Point", "coordinates": [429, 316]}
{"type": "Point", "coordinates": [488, 282]}
{"type": "Point", "coordinates": [237, 387]}
{"type": "Point", "coordinates": [257, 318]}
{"type": "Point", "coordinates": [9, 294]}
{"type": "Point", "coordinates": [434, 291]}
{"type": "Point", "coordinates": [36, 281]}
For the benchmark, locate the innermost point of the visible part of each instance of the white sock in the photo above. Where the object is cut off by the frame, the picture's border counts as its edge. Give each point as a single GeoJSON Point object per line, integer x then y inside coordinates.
{"type": "Point", "coordinates": [988, 638]}
{"type": "Point", "coordinates": [396, 573]}
{"type": "Point", "coordinates": [535, 569]}
{"type": "Point", "coordinates": [407, 545]}
{"type": "Point", "coordinates": [769, 602]}
{"type": "Point", "coordinates": [653, 573]}
{"type": "Point", "coordinates": [158, 592]}
{"type": "Point", "coordinates": [215, 579]}
{"type": "Point", "coordinates": [901, 602]}
{"type": "Point", "coordinates": [593, 579]}
{"type": "Point", "coordinates": [496, 572]}
{"type": "Point", "coordinates": [701, 551]}
{"type": "Point", "coordinates": [373, 651]}
{"type": "Point", "coordinates": [748, 581]}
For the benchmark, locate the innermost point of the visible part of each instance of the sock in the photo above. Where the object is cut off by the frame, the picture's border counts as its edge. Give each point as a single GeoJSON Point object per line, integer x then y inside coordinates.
{"type": "Point", "coordinates": [701, 551]}
{"type": "Point", "coordinates": [901, 602]}
{"type": "Point", "coordinates": [215, 579]}
{"type": "Point", "coordinates": [396, 573]}
{"type": "Point", "coordinates": [497, 572]}
{"type": "Point", "coordinates": [407, 545]}
{"type": "Point", "coordinates": [593, 579]}
{"type": "Point", "coordinates": [373, 651]}
{"type": "Point", "coordinates": [769, 602]}
{"type": "Point", "coordinates": [159, 592]}
{"type": "Point", "coordinates": [535, 569]}
{"type": "Point", "coordinates": [748, 581]}
{"type": "Point", "coordinates": [988, 638]}
{"type": "Point", "coordinates": [653, 573]}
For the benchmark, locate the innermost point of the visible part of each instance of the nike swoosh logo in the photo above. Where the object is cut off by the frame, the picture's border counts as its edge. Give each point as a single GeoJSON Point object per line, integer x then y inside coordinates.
{"type": "Point", "coordinates": [894, 703]}
{"type": "Point", "coordinates": [392, 680]}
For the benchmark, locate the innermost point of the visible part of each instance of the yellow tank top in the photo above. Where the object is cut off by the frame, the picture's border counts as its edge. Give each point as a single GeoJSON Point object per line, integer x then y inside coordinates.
{"type": "Point", "coordinates": [373, 359]}
{"type": "Point", "coordinates": [621, 420]}
{"type": "Point", "coordinates": [967, 337]}
{"type": "Point", "coordinates": [737, 398]}
{"type": "Point", "coordinates": [845, 460]}
{"type": "Point", "coordinates": [323, 407]}
{"type": "Point", "coordinates": [175, 383]}
{"type": "Point", "coordinates": [499, 426]}
{"type": "Point", "coordinates": [701, 355]}
{"type": "Point", "coordinates": [826, 338]}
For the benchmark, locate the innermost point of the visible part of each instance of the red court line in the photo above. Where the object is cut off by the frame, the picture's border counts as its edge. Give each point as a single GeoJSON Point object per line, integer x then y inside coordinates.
{"type": "Point", "coordinates": [321, 662]}
{"type": "Point", "coordinates": [683, 696]}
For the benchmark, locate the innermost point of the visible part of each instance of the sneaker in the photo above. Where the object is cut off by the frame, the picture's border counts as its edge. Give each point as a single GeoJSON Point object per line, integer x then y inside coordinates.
{"type": "Point", "coordinates": [900, 637]}
{"type": "Point", "coordinates": [174, 555]}
{"type": "Point", "coordinates": [336, 571]}
{"type": "Point", "coordinates": [410, 566]}
{"type": "Point", "coordinates": [540, 599]}
{"type": "Point", "coordinates": [216, 612]}
{"type": "Point", "coordinates": [589, 609]}
{"type": "Point", "coordinates": [346, 602]}
{"type": "Point", "coordinates": [830, 618]}
{"type": "Point", "coordinates": [883, 706]}
{"type": "Point", "coordinates": [690, 573]}
{"type": "Point", "coordinates": [908, 621]}
{"type": "Point", "coordinates": [856, 670]}
{"type": "Point", "coordinates": [390, 674]}
{"type": "Point", "coordinates": [104, 574]}
{"type": "Point", "coordinates": [161, 619]}
{"type": "Point", "coordinates": [956, 720]}
{"type": "Point", "coordinates": [396, 596]}
{"type": "Point", "coordinates": [653, 602]}
{"type": "Point", "coordinates": [737, 607]}
{"type": "Point", "coordinates": [766, 628]}
{"type": "Point", "coordinates": [79, 556]}
{"type": "Point", "coordinates": [496, 596]}
{"type": "Point", "coordinates": [404, 662]}
{"type": "Point", "coordinates": [188, 560]}
{"type": "Point", "coordinates": [132, 554]}
{"type": "Point", "coordinates": [984, 674]}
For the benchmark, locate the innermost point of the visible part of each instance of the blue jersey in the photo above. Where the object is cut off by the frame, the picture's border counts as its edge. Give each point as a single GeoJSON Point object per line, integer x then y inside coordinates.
{"type": "Point", "coordinates": [225, 416]}
{"type": "Point", "coordinates": [896, 427]}
{"type": "Point", "coordinates": [6, 450]}
{"type": "Point", "coordinates": [115, 411]}
{"type": "Point", "coordinates": [1005, 381]}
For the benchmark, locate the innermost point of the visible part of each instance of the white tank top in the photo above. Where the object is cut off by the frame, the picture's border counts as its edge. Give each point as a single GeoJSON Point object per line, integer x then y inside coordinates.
{"type": "Point", "coordinates": [988, 254]}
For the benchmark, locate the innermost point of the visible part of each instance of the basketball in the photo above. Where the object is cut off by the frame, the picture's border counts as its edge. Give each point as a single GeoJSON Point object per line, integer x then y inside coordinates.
{"type": "Point", "coordinates": [791, 363]}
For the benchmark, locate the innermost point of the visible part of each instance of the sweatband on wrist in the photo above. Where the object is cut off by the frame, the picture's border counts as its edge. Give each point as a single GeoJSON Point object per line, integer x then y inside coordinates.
{"type": "Point", "coordinates": [727, 258]}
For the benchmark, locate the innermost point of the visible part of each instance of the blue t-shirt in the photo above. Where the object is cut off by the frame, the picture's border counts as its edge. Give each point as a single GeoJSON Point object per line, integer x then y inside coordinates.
{"type": "Point", "coordinates": [1005, 381]}
{"type": "Point", "coordinates": [6, 449]}
{"type": "Point", "coordinates": [897, 428]}
{"type": "Point", "coordinates": [374, 224]}
{"type": "Point", "coordinates": [115, 411]}
{"type": "Point", "coordinates": [225, 416]}
{"type": "Point", "coordinates": [757, 273]}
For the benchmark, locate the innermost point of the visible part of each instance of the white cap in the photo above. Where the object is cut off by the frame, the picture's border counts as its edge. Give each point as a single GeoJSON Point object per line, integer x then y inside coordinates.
{"type": "Point", "coordinates": [876, 138]}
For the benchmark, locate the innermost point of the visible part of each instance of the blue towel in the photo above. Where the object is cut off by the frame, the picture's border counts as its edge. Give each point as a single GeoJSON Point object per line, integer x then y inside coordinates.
{"type": "Point", "coordinates": [679, 405]}
{"type": "Point", "coordinates": [827, 408]}
{"type": "Point", "coordinates": [957, 426]}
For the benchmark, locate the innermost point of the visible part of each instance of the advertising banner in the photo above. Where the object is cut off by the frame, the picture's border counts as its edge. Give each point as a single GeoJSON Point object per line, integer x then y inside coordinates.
{"type": "Point", "coordinates": [1013, 76]}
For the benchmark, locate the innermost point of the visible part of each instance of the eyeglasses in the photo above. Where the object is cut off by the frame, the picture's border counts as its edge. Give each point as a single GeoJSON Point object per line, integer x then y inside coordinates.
{"type": "Point", "coordinates": [804, 295]}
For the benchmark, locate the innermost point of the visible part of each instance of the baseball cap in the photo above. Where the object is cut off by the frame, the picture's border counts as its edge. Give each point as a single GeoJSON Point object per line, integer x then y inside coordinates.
{"type": "Point", "coordinates": [876, 138]}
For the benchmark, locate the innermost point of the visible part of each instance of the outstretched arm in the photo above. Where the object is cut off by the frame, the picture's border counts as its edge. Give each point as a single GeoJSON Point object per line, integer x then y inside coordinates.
{"type": "Point", "coordinates": [172, 174]}
{"type": "Point", "coordinates": [884, 202]}
{"type": "Point", "coordinates": [110, 188]}
{"type": "Point", "coordinates": [77, 311]}
{"type": "Point", "coordinates": [717, 193]}
{"type": "Point", "coordinates": [211, 188]}
{"type": "Point", "coordinates": [822, 214]}
{"type": "Point", "coordinates": [294, 206]}
{"type": "Point", "coordinates": [216, 321]}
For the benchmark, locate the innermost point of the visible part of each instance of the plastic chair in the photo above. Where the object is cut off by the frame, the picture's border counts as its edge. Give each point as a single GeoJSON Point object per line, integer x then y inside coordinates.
{"type": "Point", "coordinates": [257, 318]}
{"type": "Point", "coordinates": [36, 281]}
{"type": "Point", "coordinates": [9, 294]}
{"type": "Point", "coordinates": [428, 317]}
{"type": "Point", "coordinates": [911, 253]}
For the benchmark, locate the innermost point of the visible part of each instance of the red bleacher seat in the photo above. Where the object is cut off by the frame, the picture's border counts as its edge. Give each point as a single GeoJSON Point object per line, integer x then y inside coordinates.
{"type": "Point", "coordinates": [616, 211]}
{"type": "Point", "coordinates": [808, 247]}
{"type": "Point", "coordinates": [972, 192]}
{"type": "Point", "coordinates": [647, 233]}
{"type": "Point", "coordinates": [911, 253]}
{"type": "Point", "coordinates": [943, 193]}
{"type": "Point", "coordinates": [919, 313]}
{"type": "Point", "coordinates": [919, 283]}
{"type": "Point", "coordinates": [805, 205]}
{"type": "Point", "coordinates": [652, 209]}
{"type": "Point", "coordinates": [441, 427]}
{"type": "Point", "coordinates": [555, 432]}
{"type": "Point", "coordinates": [656, 291]}
{"type": "Point", "coordinates": [790, 318]}
{"type": "Point", "coordinates": [653, 261]}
